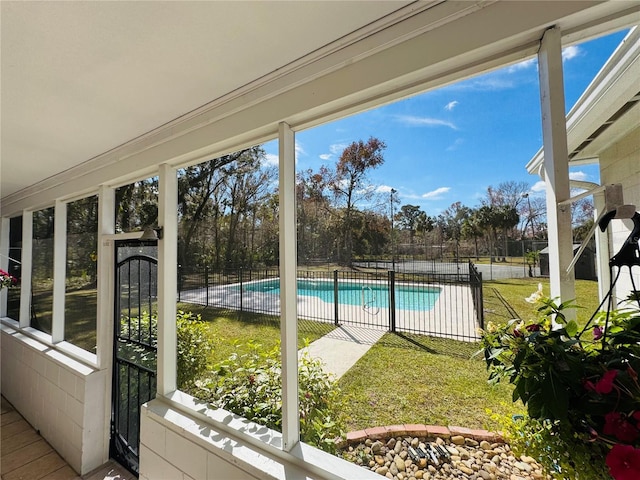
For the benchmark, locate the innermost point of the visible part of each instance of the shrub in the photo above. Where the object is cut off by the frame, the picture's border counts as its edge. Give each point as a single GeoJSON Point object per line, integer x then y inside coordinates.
{"type": "Point", "coordinates": [562, 451]}
{"type": "Point", "coordinates": [193, 344]}
{"type": "Point", "coordinates": [250, 385]}
{"type": "Point", "coordinates": [580, 387]}
{"type": "Point", "coordinates": [194, 348]}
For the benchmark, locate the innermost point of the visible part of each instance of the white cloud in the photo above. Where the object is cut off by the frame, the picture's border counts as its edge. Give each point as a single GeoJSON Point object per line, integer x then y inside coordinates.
{"type": "Point", "coordinates": [451, 105]}
{"type": "Point", "coordinates": [525, 64]}
{"type": "Point", "coordinates": [299, 150]}
{"type": "Point", "coordinates": [337, 148]}
{"type": "Point", "coordinates": [483, 84]}
{"type": "Point", "coordinates": [571, 52]}
{"type": "Point", "coordinates": [455, 144]}
{"type": "Point", "coordinates": [271, 159]}
{"type": "Point", "coordinates": [384, 189]}
{"type": "Point", "coordinates": [424, 121]}
{"type": "Point", "coordinates": [579, 175]}
{"type": "Point", "coordinates": [539, 186]}
{"type": "Point", "coordinates": [436, 194]}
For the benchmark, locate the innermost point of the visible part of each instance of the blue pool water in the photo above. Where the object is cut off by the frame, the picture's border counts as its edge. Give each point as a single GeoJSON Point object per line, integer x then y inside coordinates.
{"type": "Point", "coordinates": [372, 295]}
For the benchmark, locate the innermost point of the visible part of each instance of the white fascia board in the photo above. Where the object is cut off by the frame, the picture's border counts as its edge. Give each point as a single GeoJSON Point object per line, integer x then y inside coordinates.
{"type": "Point", "coordinates": [439, 45]}
{"type": "Point", "coordinates": [614, 85]}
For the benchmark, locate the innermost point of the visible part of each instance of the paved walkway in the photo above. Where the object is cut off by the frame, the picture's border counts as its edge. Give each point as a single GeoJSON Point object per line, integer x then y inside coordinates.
{"type": "Point", "coordinates": [341, 348]}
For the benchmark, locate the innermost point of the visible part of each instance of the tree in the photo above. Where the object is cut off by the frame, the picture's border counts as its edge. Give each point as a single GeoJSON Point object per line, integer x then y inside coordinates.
{"type": "Point", "coordinates": [452, 220]}
{"type": "Point", "coordinates": [409, 218]}
{"type": "Point", "coordinates": [314, 212]}
{"type": "Point", "coordinates": [350, 184]}
{"type": "Point", "coordinates": [471, 229]}
{"type": "Point", "coordinates": [196, 187]}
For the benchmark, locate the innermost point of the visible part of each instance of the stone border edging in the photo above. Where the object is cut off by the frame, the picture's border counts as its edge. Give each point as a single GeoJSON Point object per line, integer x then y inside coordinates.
{"type": "Point", "coordinates": [419, 430]}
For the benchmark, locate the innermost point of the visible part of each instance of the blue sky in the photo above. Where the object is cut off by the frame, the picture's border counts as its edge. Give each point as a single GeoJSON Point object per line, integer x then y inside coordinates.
{"type": "Point", "coordinates": [450, 144]}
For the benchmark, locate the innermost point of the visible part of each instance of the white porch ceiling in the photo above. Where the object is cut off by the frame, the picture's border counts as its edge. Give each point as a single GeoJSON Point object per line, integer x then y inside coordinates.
{"type": "Point", "coordinates": [80, 78]}
{"type": "Point", "coordinates": [81, 81]}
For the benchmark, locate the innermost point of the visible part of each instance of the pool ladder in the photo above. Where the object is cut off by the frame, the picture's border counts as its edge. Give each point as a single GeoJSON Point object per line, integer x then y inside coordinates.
{"type": "Point", "coordinates": [368, 306]}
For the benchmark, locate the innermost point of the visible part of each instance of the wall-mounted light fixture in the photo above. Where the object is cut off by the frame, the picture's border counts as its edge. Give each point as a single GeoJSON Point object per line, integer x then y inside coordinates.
{"type": "Point", "coordinates": [151, 233]}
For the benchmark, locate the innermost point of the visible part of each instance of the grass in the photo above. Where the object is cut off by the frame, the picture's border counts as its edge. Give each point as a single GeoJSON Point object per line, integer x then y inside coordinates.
{"type": "Point", "coordinates": [515, 290]}
{"type": "Point", "coordinates": [418, 379]}
{"type": "Point", "coordinates": [231, 331]}
{"type": "Point", "coordinates": [403, 378]}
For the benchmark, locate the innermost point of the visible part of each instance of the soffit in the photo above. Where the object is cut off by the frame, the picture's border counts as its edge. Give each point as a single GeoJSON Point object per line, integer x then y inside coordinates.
{"type": "Point", "coordinates": [81, 78]}
{"type": "Point", "coordinates": [419, 46]}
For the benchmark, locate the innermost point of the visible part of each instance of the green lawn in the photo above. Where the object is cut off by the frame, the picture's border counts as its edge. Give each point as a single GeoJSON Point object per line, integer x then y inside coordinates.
{"type": "Point", "coordinates": [403, 378]}
{"type": "Point", "coordinates": [418, 379]}
{"type": "Point", "coordinates": [515, 290]}
{"type": "Point", "coordinates": [228, 328]}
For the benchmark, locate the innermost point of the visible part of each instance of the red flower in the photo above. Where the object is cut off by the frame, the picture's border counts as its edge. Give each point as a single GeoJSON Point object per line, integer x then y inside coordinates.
{"type": "Point", "coordinates": [624, 462]}
{"type": "Point", "coordinates": [605, 384]}
{"type": "Point", "coordinates": [535, 327]}
{"type": "Point", "coordinates": [616, 424]}
{"type": "Point", "coordinates": [636, 417]}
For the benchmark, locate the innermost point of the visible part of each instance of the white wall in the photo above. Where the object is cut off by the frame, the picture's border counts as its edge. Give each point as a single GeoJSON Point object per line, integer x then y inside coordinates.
{"type": "Point", "coordinates": [60, 397]}
{"type": "Point", "coordinates": [621, 164]}
{"type": "Point", "coordinates": [178, 444]}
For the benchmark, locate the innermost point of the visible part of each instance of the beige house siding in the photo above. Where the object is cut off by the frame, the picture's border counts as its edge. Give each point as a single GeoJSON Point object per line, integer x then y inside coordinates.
{"type": "Point", "coordinates": [620, 163]}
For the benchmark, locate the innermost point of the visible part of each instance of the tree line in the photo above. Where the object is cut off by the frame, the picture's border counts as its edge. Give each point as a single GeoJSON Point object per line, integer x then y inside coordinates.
{"type": "Point", "coordinates": [228, 214]}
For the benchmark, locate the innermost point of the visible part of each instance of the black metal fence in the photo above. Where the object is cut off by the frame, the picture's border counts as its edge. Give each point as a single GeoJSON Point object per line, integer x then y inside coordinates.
{"type": "Point", "coordinates": [446, 304]}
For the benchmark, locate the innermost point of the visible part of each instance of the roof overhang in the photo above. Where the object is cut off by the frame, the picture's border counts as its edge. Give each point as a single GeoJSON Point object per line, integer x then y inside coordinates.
{"type": "Point", "coordinates": [95, 93]}
{"type": "Point", "coordinates": [607, 110]}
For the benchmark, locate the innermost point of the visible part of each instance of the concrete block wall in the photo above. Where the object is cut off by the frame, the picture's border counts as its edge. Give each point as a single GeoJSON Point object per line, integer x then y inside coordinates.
{"type": "Point", "coordinates": [178, 445]}
{"type": "Point", "coordinates": [60, 397]}
{"type": "Point", "coordinates": [621, 164]}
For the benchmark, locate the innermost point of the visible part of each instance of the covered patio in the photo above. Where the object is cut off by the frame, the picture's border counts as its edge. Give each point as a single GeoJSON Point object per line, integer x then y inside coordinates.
{"type": "Point", "coordinates": [103, 94]}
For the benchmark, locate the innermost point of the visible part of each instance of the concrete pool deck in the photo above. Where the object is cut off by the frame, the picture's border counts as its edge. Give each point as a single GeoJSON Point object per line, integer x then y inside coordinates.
{"type": "Point", "coordinates": [453, 315]}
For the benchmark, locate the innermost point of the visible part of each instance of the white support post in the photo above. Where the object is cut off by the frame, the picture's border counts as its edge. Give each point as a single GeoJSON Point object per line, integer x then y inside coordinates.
{"type": "Point", "coordinates": [602, 248]}
{"type": "Point", "coordinates": [59, 270]}
{"type": "Point", "coordinates": [4, 260]}
{"type": "Point", "coordinates": [104, 310]}
{"type": "Point", "coordinates": [105, 320]}
{"type": "Point", "coordinates": [25, 270]}
{"type": "Point", "coordinates": [167, 279]}
{"type": "Point", "coordinates": [556, 166]}
{"type": "Point", "coordinates": [288, 288]}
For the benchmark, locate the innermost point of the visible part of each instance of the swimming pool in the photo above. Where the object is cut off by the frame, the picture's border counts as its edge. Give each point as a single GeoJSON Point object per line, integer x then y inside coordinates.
{"type": "Point", "coordinates": [365, 294]}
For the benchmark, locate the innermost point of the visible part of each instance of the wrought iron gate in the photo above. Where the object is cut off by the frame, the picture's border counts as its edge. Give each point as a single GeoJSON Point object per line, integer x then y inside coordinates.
{"type": "Point", "coordinates": [135, 346]}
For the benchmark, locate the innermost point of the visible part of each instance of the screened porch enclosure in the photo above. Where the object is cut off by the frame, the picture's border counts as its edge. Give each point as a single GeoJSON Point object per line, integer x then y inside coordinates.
{"type": "Point", "coordinates": [126, 105]}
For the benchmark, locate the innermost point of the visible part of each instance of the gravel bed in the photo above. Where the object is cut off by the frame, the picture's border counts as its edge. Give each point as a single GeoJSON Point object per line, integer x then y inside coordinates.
{"type": "Point", "coordinates": [458, 457]}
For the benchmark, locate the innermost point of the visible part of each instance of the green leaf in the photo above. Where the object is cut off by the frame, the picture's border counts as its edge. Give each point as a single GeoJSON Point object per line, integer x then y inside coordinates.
{"type": "Point", "coordinates": [556, 397]}
{"type": "Point", "coordinates": [496, 352]}
{"type": "Point", "coordinates": [571, 328]}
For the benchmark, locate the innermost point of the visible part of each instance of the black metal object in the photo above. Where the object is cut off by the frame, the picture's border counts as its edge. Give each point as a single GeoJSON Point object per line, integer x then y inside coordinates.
{"type": "Point", "coordinates": [628, 256]}
{"type": "Point", "coordinates": [135, 346]}
{"type": "Point", "coordinates": [629, 253]}
{"type": "Point", "coordinates": [236, 289]}
{"type": "Point", "coordinates": [475, 281]}
{"type": "Point", "coordinates": [392, 301]}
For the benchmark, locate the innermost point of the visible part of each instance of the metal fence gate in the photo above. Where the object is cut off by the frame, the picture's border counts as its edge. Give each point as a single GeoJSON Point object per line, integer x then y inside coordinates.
{"type": "Point", "coordinates": [135, 346]}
